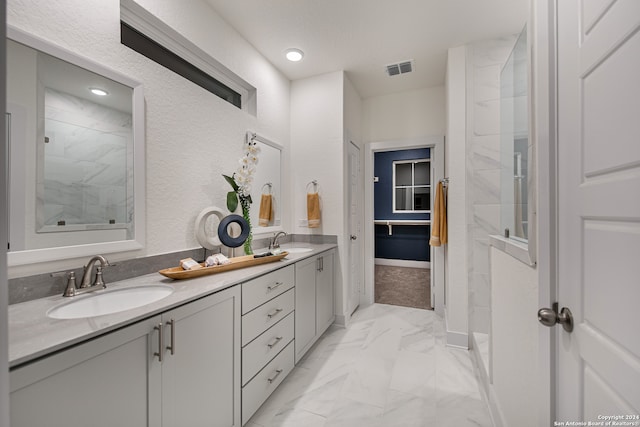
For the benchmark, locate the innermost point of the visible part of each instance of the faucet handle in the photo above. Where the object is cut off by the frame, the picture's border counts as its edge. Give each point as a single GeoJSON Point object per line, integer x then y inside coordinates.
{"type": "Point", "coordinates": [99, 281]}
{"type": "Point", "coordinates": [70, 290]}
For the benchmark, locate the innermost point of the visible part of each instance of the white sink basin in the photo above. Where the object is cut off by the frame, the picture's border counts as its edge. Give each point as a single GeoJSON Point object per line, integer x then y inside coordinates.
{"type": "Point", "coordinates": [107, 302]}
{"type": "Point", "coordinates": [297, 250]}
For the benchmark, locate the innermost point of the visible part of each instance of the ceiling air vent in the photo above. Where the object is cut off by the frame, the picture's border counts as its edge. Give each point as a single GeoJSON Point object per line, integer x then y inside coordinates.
{"type": "Point", "coordinates": [400, 68]}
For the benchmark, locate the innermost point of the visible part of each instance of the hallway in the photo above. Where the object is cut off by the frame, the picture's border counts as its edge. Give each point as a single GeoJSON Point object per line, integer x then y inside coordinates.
{"type": "Point", "coordinates": [390, 367]}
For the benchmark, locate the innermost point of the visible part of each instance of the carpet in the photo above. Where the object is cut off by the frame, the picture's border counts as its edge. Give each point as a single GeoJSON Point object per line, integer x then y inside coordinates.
{"type": "Point", "coordinates": [403, 286]}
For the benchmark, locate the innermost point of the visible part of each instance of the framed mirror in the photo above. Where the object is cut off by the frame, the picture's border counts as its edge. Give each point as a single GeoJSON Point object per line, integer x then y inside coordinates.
{"type": "Point", "coordinates": [267, 181]}
{"type": "Point", "coordinates": [76, 148]}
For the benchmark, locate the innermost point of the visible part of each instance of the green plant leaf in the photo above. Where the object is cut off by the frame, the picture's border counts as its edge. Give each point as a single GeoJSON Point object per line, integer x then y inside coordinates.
{"type": "Point", "coordinates": [231, 182]}
{"type": "Point", "coordinates": [232, 201]}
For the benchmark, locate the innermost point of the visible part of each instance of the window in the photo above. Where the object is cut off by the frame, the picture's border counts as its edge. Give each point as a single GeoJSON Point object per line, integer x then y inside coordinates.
{"type": "Point", "coordinates": [412, 186]}
{"type": "Point", "coordinates": [145, 33]}
{"type": "Point", "coordinates": [154, 51]}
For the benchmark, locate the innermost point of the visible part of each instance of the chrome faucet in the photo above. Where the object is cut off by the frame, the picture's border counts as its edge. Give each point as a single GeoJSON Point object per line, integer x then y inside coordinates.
{"type": "Point", "coordinates": [274, 243]}
{"type": "Point", "coordinates": [85, 284]}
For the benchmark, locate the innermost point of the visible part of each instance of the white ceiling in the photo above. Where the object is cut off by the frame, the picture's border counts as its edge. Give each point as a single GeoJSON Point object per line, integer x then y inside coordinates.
{"type": "Point", "coordinates": [363, 36]}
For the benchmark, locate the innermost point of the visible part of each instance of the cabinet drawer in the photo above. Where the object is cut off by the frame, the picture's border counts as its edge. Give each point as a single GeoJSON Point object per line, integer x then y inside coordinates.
{"type": "Point", "coordinates": [262, 289]}
{"type": "Point", "coordinates": [265, 316]}
{"type": "Point", "coordinates": [262, 385]}
{"type": "Point", "coordinates": [260, 351]}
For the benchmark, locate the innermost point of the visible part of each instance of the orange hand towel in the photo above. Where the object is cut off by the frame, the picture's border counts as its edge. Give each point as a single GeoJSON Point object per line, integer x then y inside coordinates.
{"type": "Point", "coordinates": [313, 210]}
{"type": "Point", "coordinates": [266, 211]}
{"type": "Point", "coordinates": [439, 220]}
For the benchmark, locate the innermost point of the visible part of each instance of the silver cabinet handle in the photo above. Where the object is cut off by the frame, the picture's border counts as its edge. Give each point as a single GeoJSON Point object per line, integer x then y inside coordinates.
{"type": "Point", "coordinates": [275, 341]}
{"type": "Point", "coordinates": [272, 378]}
{"type": "Point", "coordinates": [160, 342]}
{"type": "Point", "coordinates": [172, 347]}
{"type": "Point", "coordinates": [278, 284]}
{"type": "Point", "coordinates": [274, 313]}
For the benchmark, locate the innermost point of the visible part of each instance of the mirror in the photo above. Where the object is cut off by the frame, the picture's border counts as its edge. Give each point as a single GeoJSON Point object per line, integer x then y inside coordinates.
{"type": "Point", "coordinates": [266, 180]}
{"type": "Point", "coordinates": [514, 142]}
{"type": "Point", "coordinates": [76, 176]}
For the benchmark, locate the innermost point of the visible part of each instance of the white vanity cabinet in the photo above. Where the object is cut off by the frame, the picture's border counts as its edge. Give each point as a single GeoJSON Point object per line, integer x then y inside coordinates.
{"type": "Point", "coordinates": [314, 300]}
{"type": "Point", "coordinates": [267, 336]}
{"type": "Point", "coordinates": [118, 380]}
{"type": "Point", "coordinates": [201, 362]}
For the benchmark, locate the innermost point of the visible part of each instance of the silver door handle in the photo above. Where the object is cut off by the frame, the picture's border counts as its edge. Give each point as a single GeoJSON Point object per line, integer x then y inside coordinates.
{"type": "Point", "coordinates": [550, 316]}
{"type": "Point", "coordinates": [272, 378]}
{"type": "Point", "coordinates": [274, 313]}
{"type": "Point", "coordinates": [275, 341]}
{"type": "Point", "coordinates": [352, 237]}
{"type": "Point", "coordinates": [172, 347]}
{"type": "Point", "coordinates": [160, 342]}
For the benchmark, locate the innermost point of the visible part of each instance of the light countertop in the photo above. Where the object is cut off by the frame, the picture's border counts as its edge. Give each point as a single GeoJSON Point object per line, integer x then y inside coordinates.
{"type": "Point", "coordinates": [33, 335]}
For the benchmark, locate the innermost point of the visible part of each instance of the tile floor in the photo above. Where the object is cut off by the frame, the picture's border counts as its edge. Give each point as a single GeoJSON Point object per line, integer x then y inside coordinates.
{"type": "Point", "coordinates": [389, 368]}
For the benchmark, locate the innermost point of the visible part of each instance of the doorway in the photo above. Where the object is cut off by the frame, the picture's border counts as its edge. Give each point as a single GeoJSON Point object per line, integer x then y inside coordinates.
{"type": "Point", "coordinates": [435, 289]}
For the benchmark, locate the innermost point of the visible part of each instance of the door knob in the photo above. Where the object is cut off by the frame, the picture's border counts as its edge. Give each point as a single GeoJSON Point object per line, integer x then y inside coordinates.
{"type": "Point", "coordinates": [353, 237]}
{"type": "Point", "coordinates": [550, 316]}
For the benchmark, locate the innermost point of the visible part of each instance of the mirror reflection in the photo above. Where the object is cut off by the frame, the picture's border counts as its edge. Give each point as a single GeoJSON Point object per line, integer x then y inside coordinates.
{"type": "Point", "coordinates": [70, 133]}
{"type": "Point", "coordinates": [266, 182]}
{"type": "Point", "coordinates": [515, 140]}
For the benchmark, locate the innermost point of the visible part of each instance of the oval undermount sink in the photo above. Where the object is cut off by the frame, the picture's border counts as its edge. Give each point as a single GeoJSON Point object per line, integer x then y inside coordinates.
{"type": "Point", "coordinates": [109, 301]}
{"type": "Point", "coordinates": [297, 250]}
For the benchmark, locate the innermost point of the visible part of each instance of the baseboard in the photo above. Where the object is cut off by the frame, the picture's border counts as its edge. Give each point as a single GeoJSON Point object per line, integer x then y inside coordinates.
{"type": "Point", "coordinates": [402, 263]}
{"type": "Point", "coordinates": [458, 340]}
{"type": "Point", "coordinates": [340, 320]}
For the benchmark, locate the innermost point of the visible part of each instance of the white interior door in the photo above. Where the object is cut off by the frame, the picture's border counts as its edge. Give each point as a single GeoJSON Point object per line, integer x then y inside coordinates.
{"type": "Point", "coordinates": [355, 242]}
{"type": "Point", "coordinates": [598, 371]}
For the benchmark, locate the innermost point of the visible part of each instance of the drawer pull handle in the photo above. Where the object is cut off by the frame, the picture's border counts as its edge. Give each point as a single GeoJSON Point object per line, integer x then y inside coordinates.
{"type": "Point", "coordinates": [277, 285]}
{"type": "Point", "coordinates": [160, 341]}
{"type": "Point", "coordinates": [275, 341]}
{"type": "Point", "coordinates": [276, 375]}
{"type": "Point", "coordinates": [274, 313]}
{"type": "Point", "coordinates": [172, 347]}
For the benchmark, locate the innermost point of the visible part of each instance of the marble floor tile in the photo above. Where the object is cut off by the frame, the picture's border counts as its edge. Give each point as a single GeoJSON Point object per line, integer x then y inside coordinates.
{"type": "Point", "coordinates": [390, 367]}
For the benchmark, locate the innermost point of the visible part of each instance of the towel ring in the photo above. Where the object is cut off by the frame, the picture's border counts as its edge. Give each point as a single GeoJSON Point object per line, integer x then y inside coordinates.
{"type": "Point", "coordinates": [315, 186]}
{"type": "Point", "coordinates": [268, 184]}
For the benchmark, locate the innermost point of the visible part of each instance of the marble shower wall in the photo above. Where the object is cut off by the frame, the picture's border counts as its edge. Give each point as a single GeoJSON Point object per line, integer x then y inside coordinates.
{"type": "Point", "coordinates": [485, 60]}
{"type": "Point", "coordinates": [86, 162]}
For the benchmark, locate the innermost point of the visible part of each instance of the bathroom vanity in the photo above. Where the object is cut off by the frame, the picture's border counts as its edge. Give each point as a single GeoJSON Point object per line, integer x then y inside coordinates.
{"type": "Point", "coordinates": [212, 351]}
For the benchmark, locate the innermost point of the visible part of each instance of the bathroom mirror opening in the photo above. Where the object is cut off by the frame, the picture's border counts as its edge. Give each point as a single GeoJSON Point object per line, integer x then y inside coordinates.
{"type": "Point", "coordinates": [76, 152]}
{"type": "Point", "coordinates": [514, 134]}
{"type": "Point", "coordinates": [266, 182]}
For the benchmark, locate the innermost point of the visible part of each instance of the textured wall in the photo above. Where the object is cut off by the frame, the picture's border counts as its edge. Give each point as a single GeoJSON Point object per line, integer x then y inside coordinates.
{"type": "Point", "coordinates": [192, 136]}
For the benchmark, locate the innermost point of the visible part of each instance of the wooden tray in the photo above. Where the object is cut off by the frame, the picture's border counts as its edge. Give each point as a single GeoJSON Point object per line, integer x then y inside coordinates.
{"type": "Point", "coordinates": [236, 263]}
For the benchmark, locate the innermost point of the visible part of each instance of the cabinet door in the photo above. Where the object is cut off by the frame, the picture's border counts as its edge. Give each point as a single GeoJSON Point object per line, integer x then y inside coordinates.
{"type": "Point", "coordinates": [201, 366]}
{"type": "Point", "coordinates": [305, 321]}
{"type": "Point", "coordinates": [324, 293]}
{"type": "Point", "coordinates": [113, 380]}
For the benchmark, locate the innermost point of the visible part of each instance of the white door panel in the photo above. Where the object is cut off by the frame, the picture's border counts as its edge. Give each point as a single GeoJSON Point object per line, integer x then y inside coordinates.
{"type": "Point", "coordinates": [599, 208]}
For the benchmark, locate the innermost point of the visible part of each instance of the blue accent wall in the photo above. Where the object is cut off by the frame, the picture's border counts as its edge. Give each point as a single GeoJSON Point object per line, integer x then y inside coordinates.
{"type": "Point", "coordinates": [407, 242]}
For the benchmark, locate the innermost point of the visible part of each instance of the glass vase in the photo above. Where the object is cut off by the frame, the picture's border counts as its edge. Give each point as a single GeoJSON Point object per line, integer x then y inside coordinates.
{"type": "Point", "coordinates": [245, 214]}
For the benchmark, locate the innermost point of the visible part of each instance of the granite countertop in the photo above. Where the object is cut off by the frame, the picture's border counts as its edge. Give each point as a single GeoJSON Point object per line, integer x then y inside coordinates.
{"type": "Point", "coordinates": [33, 335]}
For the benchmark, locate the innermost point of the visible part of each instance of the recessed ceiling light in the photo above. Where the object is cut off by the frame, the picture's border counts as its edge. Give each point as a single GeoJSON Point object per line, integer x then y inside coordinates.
{"type": "Point", "coordinates": [98, 91]}
{"type": "Point", "coordinates": [294, 55]}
